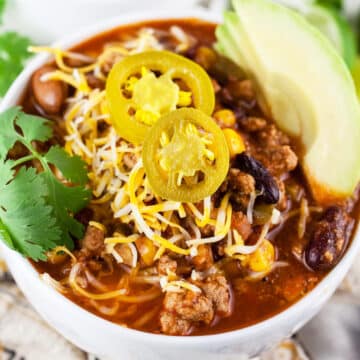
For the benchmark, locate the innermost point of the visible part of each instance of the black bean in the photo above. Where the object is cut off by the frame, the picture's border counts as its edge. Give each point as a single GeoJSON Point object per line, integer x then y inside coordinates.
{"type": "Point", "coordinates": [329, 239]}
{"type": "Point", "coordinates": [264, 182]}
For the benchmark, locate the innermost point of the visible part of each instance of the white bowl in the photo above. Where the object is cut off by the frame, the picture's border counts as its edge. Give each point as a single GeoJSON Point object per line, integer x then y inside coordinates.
{"type": "Point", "coordinates": [104, 338]}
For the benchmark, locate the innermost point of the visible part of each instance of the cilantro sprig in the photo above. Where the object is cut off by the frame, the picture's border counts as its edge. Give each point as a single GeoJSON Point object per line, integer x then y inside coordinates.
{"type": "Point", "coordinates": [13, 54]}
{"type": "Point", "coordinates": [36, 208]}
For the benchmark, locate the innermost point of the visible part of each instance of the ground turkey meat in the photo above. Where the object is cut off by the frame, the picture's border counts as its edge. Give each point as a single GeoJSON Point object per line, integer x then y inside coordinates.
{"type": "Point", "coordinates": [252, 124]}
{"type": "Point", "coordinates": [172, 324]}
{"type": "Point", "coordinates": [279, 160]}
{"type": "Point", "coordinates": [190, 305]}
{"type": "Point", "coordinates": [185, 309]}
{"type": "Point", "coordinates": [182, 309]}
{"type": "Point", "coordinates": [273, 151]}
{"type": "Point", "coordinates": [207, 230]}
{"type": "Point", "coordinates": [217, 289]}
{"type": "Point", "coordinates": [240, 181]}
{"type": "Point", "coordinates": [240, 185]}
{"type": "Point", "coordinates": [126, 254]}
{"type": "Point", "coordinates": [204, 259]}
{"type": "Point", "coordinates": [93, 241]}
{"type": "Point", "coordinates": [166, 265]}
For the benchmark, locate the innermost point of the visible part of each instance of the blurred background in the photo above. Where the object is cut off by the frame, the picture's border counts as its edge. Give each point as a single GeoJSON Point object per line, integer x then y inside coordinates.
{"type": "Point", "coordinates": [333, 335]}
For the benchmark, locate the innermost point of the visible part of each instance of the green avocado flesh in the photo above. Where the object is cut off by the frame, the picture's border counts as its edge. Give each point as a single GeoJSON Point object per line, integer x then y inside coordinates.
{"type": "Point", "coordinates": [304, 85]}
{"type": "Point", "coordinates": [336, 29]}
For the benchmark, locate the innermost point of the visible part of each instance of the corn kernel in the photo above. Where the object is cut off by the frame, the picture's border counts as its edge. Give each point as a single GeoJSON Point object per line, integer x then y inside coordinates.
{"type": "Point", "coordinates": [235, 142]}
{"type": "Point", "coordinates": [185, 98]}
{"type": "Point", "coordinates": [263, 258]}
{"type": "Point", "coordinates": [206, 57]}
{"type": "Point", "coordinates": [225, 117]}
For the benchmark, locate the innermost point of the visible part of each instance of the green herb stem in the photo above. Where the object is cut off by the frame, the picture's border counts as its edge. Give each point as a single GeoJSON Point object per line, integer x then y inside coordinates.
{"type": "Point", "coordinates": [24, 160]}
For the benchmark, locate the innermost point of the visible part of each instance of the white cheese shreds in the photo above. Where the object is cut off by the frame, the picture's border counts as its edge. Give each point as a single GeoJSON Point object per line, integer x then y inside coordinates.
{"type": "Point", "coordinates": [275, 217]}
{"type": "Point", "coordinates": [250, 207]}
{"type": "Point", "coordinates": [193, 251]}
{"type": "Point", "coordinates": [239, 248]}
{"type": "Point", "coordinates": [48, 279]}
{"type": "Point", "coordinates": [304, 214]}
{"type": "Point", "coordinates": [134, 254]}
{"type": "Point", "coordinates": [177, 285]}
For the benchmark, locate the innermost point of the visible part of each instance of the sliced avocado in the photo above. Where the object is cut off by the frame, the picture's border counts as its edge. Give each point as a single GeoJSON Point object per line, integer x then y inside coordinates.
{"type": "Point", "coordinates": [356, 76]}
{"type": "Point", "coordinates": [327, 17]}
{"type": "Point", "coordinates": [336, 28]}
{"type": "Point", "coordinates": [237, 49]}
{"type": "Point", "coordinates": [308, 89]}
{"type": "Point", "coordinates": [231, 46]}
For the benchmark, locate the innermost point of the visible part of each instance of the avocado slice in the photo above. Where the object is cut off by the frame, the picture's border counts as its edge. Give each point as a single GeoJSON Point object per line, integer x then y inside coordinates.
{"type": "Point", "coordinates": [336, 28]}
{"type": "Point", "coordinates": [308, 89]}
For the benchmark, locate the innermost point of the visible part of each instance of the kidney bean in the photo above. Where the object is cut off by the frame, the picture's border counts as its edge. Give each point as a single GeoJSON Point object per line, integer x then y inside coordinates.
{"type": "Point", "coordinates": [329, 239]}
{"type": "Point", "coordinates": [50, 95]}
{"type": "Point", "coordinates": [264, 182]}
{"type": "Point", "coordinates": [75, 62]}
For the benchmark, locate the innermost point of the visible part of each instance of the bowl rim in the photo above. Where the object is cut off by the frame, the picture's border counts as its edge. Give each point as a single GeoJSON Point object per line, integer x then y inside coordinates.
{"type": "Point", "coordinates": [14, 94]}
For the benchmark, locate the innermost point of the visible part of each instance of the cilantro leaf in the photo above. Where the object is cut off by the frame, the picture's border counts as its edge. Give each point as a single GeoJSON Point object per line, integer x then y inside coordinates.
{"type": "Point", "coordinates": [8, 133]}
{"type": "Point", "coordinates": [24, 214]}
{"type": "Point", "coordinates": [65, 201]}
{"type": "Point", "coordinates": [13, 55]}
{"type": "Point", "coordinates": [32, 127]}
{"type": "Point", "coordinates": [36, 209]}
{"type": "Point", "coordinates": [6, 174]}
{"type": "Point", "coordinates": [73, 168]}
{"type": "Point", "coordinates": [5, 236]}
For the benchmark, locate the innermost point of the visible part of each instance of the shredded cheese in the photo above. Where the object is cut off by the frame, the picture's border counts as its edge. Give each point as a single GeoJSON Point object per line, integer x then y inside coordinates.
{"type": "Point", "coordinates": [118, 179]}
{"type": "Point", "coordinates": [239, 248]}
{"type": "Point", "coordinates": [304, 214]}
{"type": "Point", "coordinates": [118, 294]}
{"type": "Point", "coordinates": [64, 249]}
